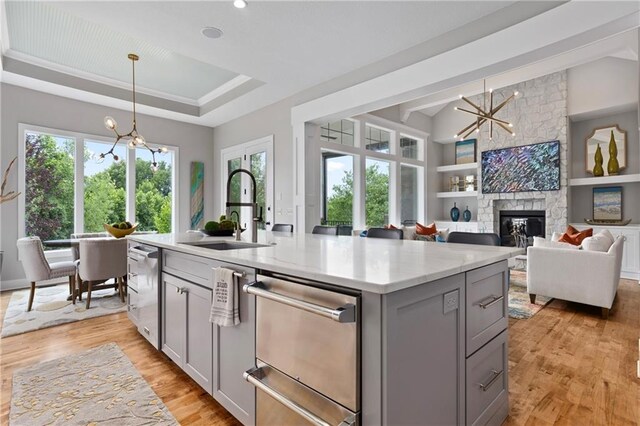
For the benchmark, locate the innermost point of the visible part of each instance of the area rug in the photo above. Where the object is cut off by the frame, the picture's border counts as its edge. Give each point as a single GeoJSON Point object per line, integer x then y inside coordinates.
{"type": "Point", "coordinates": [520, 306]}
{"type": "Point", "coordinates": [96, 387]}
{"type": "Point", "coordinates": [51, 307]}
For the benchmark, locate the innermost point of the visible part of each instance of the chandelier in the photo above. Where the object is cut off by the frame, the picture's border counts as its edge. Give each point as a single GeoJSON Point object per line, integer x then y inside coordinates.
{"type": "Point", "coordinates": [135, 139]}
{"type": "Point", "coordinates": [483, 115]}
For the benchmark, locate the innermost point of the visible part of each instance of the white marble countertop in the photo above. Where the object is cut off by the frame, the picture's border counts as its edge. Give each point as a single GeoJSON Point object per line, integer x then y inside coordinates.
{"type": "Point", "coordinates": [375, 265]}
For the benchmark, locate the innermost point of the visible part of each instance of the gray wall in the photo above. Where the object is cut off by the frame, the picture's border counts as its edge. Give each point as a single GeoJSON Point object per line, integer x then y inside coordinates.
{"type": "Point", "coordinates": [20, 105]}
{"type": "Point", "coordinates": [582, 196]}
{"type": "Point", "coordinates": [273, 120]}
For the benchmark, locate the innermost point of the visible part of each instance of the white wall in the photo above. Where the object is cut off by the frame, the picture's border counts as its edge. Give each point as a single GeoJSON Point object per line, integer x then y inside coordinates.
{"type": "Point", "coordinates": [608, 83]}
{"type": "Point", "coordinates": [20, 105]}
{"type": "Point", "coordinates": [273, 120]}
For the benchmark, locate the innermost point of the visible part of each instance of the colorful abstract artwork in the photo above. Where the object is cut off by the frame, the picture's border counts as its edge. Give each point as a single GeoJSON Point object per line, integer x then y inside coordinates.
{"type": "Point", "coordinates": [466, 151]}
{"type": "Point", "coordinates": [607, 203]}
{"type": "Point", "coordinates": [533, 167]}
{"type": "Point", "coordinates": [197, 195]}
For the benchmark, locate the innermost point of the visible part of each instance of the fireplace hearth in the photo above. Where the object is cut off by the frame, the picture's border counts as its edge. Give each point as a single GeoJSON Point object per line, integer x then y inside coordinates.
{"type": "Point", "coordinates": [518, 227]}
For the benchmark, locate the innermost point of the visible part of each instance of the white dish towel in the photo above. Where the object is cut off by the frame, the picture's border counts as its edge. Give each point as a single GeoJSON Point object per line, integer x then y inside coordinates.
{"type": "Point", "coordinates": [224, 309]}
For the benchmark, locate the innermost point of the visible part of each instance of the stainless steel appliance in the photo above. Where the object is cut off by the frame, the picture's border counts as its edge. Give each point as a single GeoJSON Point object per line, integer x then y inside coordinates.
{"type": "Point", "coordinates": [142, 294]}
{"type": "Point", "coordinates": [307, 353]}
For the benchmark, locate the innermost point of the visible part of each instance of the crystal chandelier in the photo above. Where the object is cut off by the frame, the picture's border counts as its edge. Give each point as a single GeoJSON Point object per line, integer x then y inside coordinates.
{"type": "Point", "coordinates": [135, 138]}
{"type": "Point", "coordinates": [482, 115]}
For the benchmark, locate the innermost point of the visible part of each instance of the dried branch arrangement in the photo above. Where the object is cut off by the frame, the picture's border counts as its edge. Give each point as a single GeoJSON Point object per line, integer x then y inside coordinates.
{"type": "Point", "coordinates": [11, 194]}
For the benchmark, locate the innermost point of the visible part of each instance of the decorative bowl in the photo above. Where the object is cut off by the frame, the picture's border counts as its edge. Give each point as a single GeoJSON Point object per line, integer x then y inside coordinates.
{"type": "Point", "coordinates": [117, 232]}
{"type": "Point", "coordinates": [602, 222]}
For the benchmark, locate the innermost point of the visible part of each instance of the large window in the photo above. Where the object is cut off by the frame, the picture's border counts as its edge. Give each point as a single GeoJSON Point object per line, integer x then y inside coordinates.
{"type": "Point", "coordinates": [378, 180]}
{"type": "Point", "coordinates": [104, 186]}
{"type": "Point", "coordinates": [337, 176]}
{"type": "Point", "coordinates": [69, 189]}
{"type": "Point", "coordinates": [153, 191]}
{"type": "Point", "coordinates": [49, 185]}
{"type": "Point", "coordinates": [377, 193]}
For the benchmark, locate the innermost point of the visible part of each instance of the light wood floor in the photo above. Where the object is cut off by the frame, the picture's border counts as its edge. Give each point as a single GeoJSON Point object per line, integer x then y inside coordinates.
{"type": "Point", "coordinates": [566, 365]}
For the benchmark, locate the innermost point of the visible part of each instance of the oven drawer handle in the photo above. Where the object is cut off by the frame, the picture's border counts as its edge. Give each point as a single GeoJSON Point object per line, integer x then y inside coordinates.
{"type": "Point", "coordinates": [250, 377]}
{"type": "Point", "coordinates": [493, 300]}
{"type": "Point", "coordinates": [344, 314]}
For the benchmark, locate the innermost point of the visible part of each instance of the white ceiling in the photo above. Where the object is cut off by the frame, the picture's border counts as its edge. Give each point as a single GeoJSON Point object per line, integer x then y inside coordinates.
{"type": "Point", "coordinates": [290, 46]}
{"type": "Point", "coordinates": [48, 33]}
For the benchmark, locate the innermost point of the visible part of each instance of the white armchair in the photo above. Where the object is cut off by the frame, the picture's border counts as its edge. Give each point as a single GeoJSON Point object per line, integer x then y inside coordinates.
{"type": "Point", "coordinates": [36, 267]}
{"type": "Point", "coordinates": [589, 277]}
{"type": "Point", "coordinates": [100, 260]}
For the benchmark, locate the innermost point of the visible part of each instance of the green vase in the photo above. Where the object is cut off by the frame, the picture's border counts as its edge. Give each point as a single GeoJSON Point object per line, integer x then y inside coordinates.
{"type": "Point", "coordinates": [597, 169]}
{"type": "Point", "coordinates": [613, 167]}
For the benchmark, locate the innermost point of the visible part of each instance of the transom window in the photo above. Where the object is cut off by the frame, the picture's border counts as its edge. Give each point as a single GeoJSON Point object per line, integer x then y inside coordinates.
{"type": "Point", "coordinates": [377, 139]}
{"type": "Point", "coordinates": [341, 132]}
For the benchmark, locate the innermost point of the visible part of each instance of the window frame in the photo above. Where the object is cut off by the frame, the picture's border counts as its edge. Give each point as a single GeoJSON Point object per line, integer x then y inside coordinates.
{"type": "Point", "coordinates": [78, 208]}
{"type": "Point", "coordinates": [394, 158]}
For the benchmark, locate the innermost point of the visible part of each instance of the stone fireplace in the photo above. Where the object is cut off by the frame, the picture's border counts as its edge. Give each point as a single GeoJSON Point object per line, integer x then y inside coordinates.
{"type": "Point", "coordinates": [539, 115]}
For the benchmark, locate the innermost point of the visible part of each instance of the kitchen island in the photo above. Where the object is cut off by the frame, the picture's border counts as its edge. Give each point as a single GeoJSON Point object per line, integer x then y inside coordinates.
{"type": "Point", "coordinates": [339, 329]}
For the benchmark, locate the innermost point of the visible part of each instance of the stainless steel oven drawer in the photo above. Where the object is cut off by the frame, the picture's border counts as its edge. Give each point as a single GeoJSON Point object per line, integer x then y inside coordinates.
{"type": "Point", "coordinates": [283, 401]}
{"type": "Point", "coordinates": [310, 334]}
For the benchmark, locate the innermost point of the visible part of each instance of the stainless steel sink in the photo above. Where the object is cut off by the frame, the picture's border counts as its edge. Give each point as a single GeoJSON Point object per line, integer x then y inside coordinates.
{"type": "Point", "coordinates": [226, 245]}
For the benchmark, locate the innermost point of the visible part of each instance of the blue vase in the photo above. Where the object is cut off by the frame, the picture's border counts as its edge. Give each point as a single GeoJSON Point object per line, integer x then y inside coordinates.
{"type": "Point", "coordinates": [455, 213]}
{"type": "Point", "coordinates": [466, 214]}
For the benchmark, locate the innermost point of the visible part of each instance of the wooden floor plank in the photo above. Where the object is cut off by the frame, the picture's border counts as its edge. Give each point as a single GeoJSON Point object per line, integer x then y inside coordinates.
{"type": "Point", "coordinates": [567, 366]}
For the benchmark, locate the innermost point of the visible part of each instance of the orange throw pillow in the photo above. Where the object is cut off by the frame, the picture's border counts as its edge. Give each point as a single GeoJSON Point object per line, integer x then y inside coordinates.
{"type": "Point", "coordinates": [426, 230]}
{"type": "Point", "coordinates": [390, 226]}
{"type": "Point", "coordinates": [575, 237]}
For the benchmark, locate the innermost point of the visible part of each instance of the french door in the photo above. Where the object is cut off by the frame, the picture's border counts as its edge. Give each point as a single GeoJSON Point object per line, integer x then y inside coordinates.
{"type": "Point", "coordinates": [257, 157]}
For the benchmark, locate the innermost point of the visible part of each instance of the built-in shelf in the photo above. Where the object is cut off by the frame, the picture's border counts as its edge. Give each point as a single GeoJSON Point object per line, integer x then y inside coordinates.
{"type": "Point", "coordinates": [457, 167]}
{"type": "Point", "coordinates": [604, 180]}
{"type": "Point", "coordinates": [458, 194]}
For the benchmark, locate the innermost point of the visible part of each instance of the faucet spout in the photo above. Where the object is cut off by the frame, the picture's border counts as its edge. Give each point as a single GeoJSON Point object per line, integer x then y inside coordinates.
{"type": "Point", "coordinates": [253, 204]}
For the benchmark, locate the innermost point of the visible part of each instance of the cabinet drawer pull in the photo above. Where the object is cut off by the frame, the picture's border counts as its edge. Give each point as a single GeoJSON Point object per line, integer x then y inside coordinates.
{"type": "Point", "coordinates": [496, 374]}
{"type": "Point", "coordinates": [344, 314]}
{"type": "Point", "coordinates": [146, 330]}
{"type": "Point", "coordinates": [132, 307]}
{"type": "Point", "coordinates": [493, 301]}
{"type": "Point", "coordinates": [182, 290]}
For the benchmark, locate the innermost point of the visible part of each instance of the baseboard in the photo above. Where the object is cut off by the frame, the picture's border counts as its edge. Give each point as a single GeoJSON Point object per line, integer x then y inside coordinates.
{"type": "Point", "coordinates": [19, 284]}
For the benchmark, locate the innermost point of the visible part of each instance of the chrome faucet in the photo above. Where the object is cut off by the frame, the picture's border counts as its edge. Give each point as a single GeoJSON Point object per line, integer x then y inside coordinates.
{"type": "Point", "coordinates": [253, 204]}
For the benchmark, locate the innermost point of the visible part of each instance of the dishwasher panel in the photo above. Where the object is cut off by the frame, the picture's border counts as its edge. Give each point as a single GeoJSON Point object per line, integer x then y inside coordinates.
{"type": "Point", "coordinates": [300, 331]}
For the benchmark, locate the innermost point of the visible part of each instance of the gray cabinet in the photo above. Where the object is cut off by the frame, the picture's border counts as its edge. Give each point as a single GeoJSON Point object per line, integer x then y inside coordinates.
{"type": "Point", "coordinates": [187, 336]}
{"type": "Point", "coordinates": [215, 357]}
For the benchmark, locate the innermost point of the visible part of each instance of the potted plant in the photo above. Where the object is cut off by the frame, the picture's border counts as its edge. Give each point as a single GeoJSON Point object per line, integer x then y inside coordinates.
{"type": "Point", "coordinates": [8, 196]}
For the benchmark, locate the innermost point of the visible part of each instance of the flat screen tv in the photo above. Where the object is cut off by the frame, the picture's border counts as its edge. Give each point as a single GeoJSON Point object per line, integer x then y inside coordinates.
{"type": "Point", "coordinates": [533, 167]}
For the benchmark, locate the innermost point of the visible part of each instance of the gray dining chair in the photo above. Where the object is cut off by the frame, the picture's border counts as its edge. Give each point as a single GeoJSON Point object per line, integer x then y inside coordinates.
{"type": "Point", "coordinates": [100, 260]}
{"type": "Point", "coordinates": [282, 227]}
{"type": "Point", "coordinates": [74, 248]}
{"type": "Point", "coordinates": [390, 234]}
{"type": "Point", "coordinates": [325, 230]}
{"type": "Point", "coordinates": [486, 239]}
{"type": "Point", "coordinates": [37, 268]}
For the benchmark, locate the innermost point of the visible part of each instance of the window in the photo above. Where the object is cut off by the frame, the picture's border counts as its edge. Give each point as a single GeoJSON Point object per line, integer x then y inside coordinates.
{"type": "Point", "coordinates": [337, 189]}
{"type": "Point", "coordinates": [104, 186]}
{"type": "Point", "coordinates": [377, 139]}
{"type": "Point", "coordinates": [377, 193]}
{"type": "Point", "coordinates": [49, 185]}
{"type": "Point", "coordinates": [409, 194]}
{"type": "Point", "coordinates": [408, 147]}
{"type": "Point", "coordinates": [64, 196]}
{"type": "Point", "coordinates": [153, 191]}
{"type": "Point", "coordinates": [341, 132]}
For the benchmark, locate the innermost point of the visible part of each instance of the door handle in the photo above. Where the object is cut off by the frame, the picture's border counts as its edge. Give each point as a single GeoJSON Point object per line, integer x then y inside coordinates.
{"type": "Point", "coordinates": [345, 313]}
{"type": "Point", "coordinates": [250, 376]}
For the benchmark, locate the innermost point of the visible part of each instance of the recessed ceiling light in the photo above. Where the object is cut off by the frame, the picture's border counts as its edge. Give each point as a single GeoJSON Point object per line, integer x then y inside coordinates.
{"type": "Point", "coordinates": [240, 4]}
{"type": "Point", "coordinates": [211, 32]}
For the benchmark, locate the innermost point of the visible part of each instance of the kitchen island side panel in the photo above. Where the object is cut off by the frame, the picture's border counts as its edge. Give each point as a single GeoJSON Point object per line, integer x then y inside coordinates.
{"type": "Point", "coordinates": [423, 362]}
{"type": "Point", "coordinates": [371, 363]}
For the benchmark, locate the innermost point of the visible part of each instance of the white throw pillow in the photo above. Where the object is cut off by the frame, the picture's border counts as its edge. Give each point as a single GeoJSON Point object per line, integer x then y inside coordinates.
{"type": "Point", "coordinates": [556, 236]}
{"type": "Point", "coordinates": [444, 233]}
{"type": "Point", "coordinates": [541, 242]}
{"type": "Point", "coordinates": [608, 234]}
{"type": "Point", "coordinates": [599, 242]}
